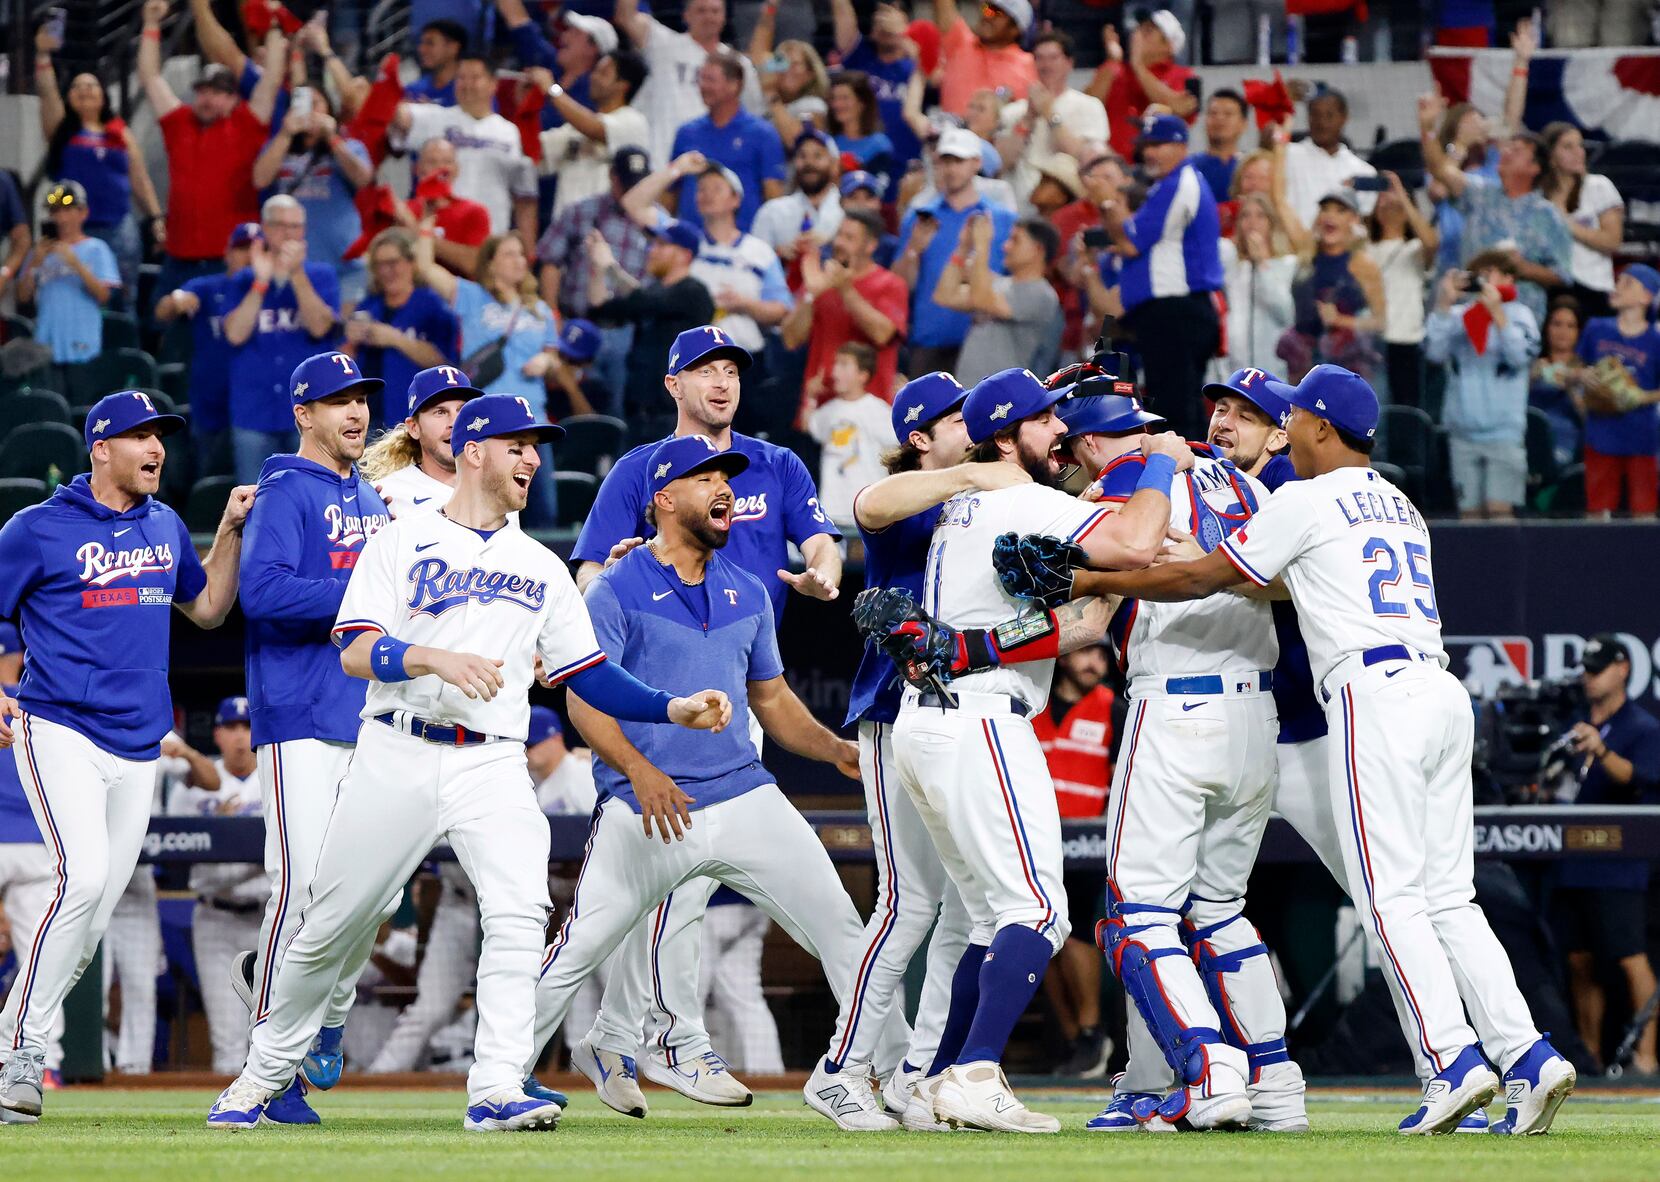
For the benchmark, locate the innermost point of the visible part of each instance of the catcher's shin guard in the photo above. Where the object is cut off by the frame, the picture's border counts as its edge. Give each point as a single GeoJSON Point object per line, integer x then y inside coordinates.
{"type": "Point", "coordinates": [1233, 964]}
{"type": "Point", "coordinates": [1133, 961]}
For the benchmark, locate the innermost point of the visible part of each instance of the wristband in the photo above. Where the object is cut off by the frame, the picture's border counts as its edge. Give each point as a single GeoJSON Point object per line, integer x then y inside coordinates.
{"type": "Point", "coordinates": [152, 34]}
{"type": "Point", "coordinates": [959, 260]}
{"type": "Point", "coordinates": [261, 286]}
{"type": "Point", "coordinates": [1519, 72]}
{"type": "Point", "coordinates": [1028, 638]}
{"type": "Point", "coordinates": [1157, 474]}
{"type": "Point", "coordinates": [386, 660]}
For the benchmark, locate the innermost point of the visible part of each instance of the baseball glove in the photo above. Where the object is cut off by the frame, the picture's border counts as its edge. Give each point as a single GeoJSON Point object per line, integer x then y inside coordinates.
{"type": "Point", "coordinates": [1615, 391]}
{"type": "Point", "coordinates": [1036, 567]}
{"type": "Point", "coordinates": [920, 646]}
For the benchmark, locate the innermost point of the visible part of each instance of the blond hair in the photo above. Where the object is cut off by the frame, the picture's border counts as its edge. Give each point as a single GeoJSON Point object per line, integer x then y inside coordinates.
{"type": "Point", "coordinates": [1262, 154]}
{"type": "Point", "coordinates": [392, 451]}
{"type": "Point", "coordinates": [1278, 240]}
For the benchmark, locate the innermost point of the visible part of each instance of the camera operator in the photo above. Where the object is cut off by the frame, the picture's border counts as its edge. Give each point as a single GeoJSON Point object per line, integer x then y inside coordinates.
{"type": "Point", "coordinates": [1600, 902]}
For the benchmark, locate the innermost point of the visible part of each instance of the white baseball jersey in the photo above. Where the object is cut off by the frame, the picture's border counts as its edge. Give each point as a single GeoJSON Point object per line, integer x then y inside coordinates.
{"type": "Point", "coordinates": [1225, 634]}
{"type": "Point", "coordinates": [237, 882]}
{"type": "Point", "coordinates": [1355, 553]}
{"type": "Point", "coordinates": [961, 588]}
{"type": "Point", "coordinates": [409, 488]}
{"type": "Point", "coordinates": [426, 580]}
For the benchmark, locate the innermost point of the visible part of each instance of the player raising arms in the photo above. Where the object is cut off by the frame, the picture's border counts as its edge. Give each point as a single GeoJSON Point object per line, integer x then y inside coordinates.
{"type": "Point", "coordinates": [92, 574]}
{"type": "Point", "coordinates": [441, 757]}
{"type": "Point", "coordinates": [1354, 554]}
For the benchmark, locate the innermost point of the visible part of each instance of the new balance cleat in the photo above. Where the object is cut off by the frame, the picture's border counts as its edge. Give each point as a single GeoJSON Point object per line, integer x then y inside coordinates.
{"type": "Point", "coordinates": [1450, 1096]}
{"type": "Point", "coordinates": [511, 1112]}
{"type": "Point", "coordinates": [614, 1077]}
{"type": "Point", "coordinates": [1534, 1089]}
{"type": "Point", "coordinates": [978, 1096]}
{"type": "Point", "coordinates": [919, 1114]}
{"type": "Point", "coordinates": [846, 1097]}
{"type": "Point", "coordinates": [704, 1078]}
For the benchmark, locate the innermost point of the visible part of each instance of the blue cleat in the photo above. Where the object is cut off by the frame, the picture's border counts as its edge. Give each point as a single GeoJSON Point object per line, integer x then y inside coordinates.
{"type": "Point", "coordinates": [1475, 1122]}
{"type": "Point", "coordinates": [536, 1090]}
{"type": "Point", "coordinates": [288, 1107]}
{"type": "Point", "coordinates": [1534, 1089]}
{"type": "Point", "coordinates": [1119, 1116]}
{"type": "Point", "coordinates": [1468, 1084]}
{"type": "Point", "coordinates": [511, 1112]}
{"type": "Point", "coordinates": [240, 1106]}
{"type": "Point", "coordinates": [323, 1063]}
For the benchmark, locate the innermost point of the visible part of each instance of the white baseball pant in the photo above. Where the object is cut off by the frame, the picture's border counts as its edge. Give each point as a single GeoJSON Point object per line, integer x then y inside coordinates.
{"type": "Point", "coordinates": [1399, 752]}
{"type": "Point", "coordinates": [216, 937]}
{"type": "Point", "coordinates": [401, 797]}
{"type": "Point", "coordinates": [1303, 797]}
{"type": "Point", "coordinates": [447, 969]}
{"type": "Point", "coordinates": [93, 809]}
{"type": "Point", "coordinates": [27, 879]}
{"type": "Point", "coordinates": [132, 955]}
{"type": "Point", "coordinates": [734, 937]}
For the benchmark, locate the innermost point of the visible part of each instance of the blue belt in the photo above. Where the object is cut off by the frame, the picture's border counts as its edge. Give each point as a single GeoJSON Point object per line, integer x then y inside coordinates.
{"type": "Point", "coordinates": [432, 732]}
{"type": "Point", "coordinates": [1391, 652]}
{"type": "Point", "coordinates": [1213, 684]}
{"type": "Point", "coordinates": [928, 698]}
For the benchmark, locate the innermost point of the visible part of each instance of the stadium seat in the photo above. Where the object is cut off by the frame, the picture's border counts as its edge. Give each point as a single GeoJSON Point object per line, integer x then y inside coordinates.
{"type": "Point", "coordinates": [111, 370]}
{"type": "Point", "coordinates": [1393, 473]}
{"type": "Point", "coordinates": [577, 491]}
{"type": "Point", "coordinates": [591, 444]}
{"type": "Point", "coordinates": [35, 405]}
{"type": "Point", "coordinates": [120, 331]}
{"type": "Point", "coordinates": [17, 326]}
{"type": "Point", "coordinates": [18, 493]}
{"type": "Point", "coordinates": [45, 451]}
{"type": "Point", "coordinates": [1406, 439]}
{"type": "Point", "coordinates": [175, 379]}
{"type": "Point", "coordinates": [1440, 497]}
{"type": "Point", "coordinates": [206, 503]}
{"type": "Point", "coordinates": [1402, 157]}
{"type": "Point", "coordinates": [1633, 166]}
{"type": "Point", "coordinates": [1565, 496]}
{"type": "Point", "coordinates": [1541, 453]}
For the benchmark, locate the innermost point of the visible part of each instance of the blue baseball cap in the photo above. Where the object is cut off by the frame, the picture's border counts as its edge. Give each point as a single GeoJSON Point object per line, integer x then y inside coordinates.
{"type": "Point", "coordinates": [494, 415]}
{"type": "Point", "coordinates": [579, 341]}
{"type": "Point", "coordinates": [323, 375]}
{"type": "Point", "coordinates": [1262, 390]}
{"type": "Point", "coordinates": [811, 134]}
{"type": "Point", "coordinates": [1340, 397]}
{"type": "Point", "coordinates": [860, 179]}
{"type": "Point", "coordinates": [441, 381]}
{"type": "Point", "coordinates": [11, 641]}
{"type": "Point", "coordinates": [231, 710]}
{"type": "Point", "coordinates": [544, 724]}
{"type": "Point", "coordinates": [1646, 275]}
{"type": "Point", "coordinates": [1162, 129]}
{"type": "Point", "coordinates": [1003, 399]}
{"type": "Point", "coordinates": [686, 454]}
{"type": "Point", "coordinates": [678, 233]}
{"type": "Point", "coordinates": [922, 400]}
{"type": "Point", "coordinates": [1104, 414]}
{"type": "Point", "coordinates": [245, 234]}
{"type": "Point", "coordinates": [701, 343]}
{"type": "Point", "coordinates": [116, 414]}
{"type": "Point", "coordinates": [725, 174]}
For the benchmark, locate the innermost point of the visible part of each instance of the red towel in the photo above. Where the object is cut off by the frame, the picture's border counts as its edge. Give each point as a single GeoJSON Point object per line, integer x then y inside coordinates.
{"type": "Point", "coordinates": [1271, 100]}
{"type": "Point", "coordinates": [1478, 320]}
{"type": "Point", "coordinates": [521, 105]}
{"type": "Point", "coordinates": [377, 210]}
{"type": "Point", "coordinates": [258, 14]}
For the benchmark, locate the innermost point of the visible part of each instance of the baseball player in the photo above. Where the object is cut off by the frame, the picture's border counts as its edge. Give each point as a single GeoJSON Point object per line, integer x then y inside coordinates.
{"type": "Point", "coordinates": [91, 574]}
{"type": "Point", "coordinates": [230, 896]}
{"type": "Point", "coordinates": [970, 761]}
{"type": "Point", "coordinates": [1355, 556]}
{"type": "Point", "coordinates": [653, 982]}
{"type": "Point", "coordinates": [441, 757]}
{"type": "Point", "coordinates": [411, 465]}
{"type": "Point", "coordinates": [674, 609]}
{"type": "Point", "coordinates": [315, 511]}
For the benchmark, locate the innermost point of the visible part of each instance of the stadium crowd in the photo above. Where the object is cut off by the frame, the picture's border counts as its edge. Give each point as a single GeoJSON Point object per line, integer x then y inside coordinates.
{"type": "Point", "coordinates": [546, 195]}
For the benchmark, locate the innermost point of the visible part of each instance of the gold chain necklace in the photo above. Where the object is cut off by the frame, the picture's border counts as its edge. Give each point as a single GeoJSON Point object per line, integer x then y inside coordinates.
{"type": "Point", "coordinates": [655, 553]}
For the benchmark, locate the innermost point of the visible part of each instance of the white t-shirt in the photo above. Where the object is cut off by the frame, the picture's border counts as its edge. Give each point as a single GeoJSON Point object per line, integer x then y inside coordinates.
{"type": "Point", "coordinates": [584, 165]}
{"type": "Point", "coordinates": [961, 588]}
{"type": "Point", "coordinates": [1311, 172]}
{"type": "Point", "coordinates": [1401, 260]}
{"type": "Point", "coordinates": [749, 267]}
{"type": "Point", "coordinates": [1260, 308]}
{"type": "Point", "coordinates": [1355, 554]}
{"type": "Point", "coordinates": [853, 433]}
{"type": "Point", "coordinates": [670, 96]}
{"type": "Point", "coordinates": [569, 790]}
{"type": "Point", "coordinates": [491, 167]}
{"type": "Point", "coordinates": [409, 488]}
{"type": "Point", "coordinates": [238, 796]}
{"type": "Point", "coordinates": [1081, 114]}
{"type": "Point", "coordinates": [428, 581]}
{"type": "Point", "coordinates": [778, 222]}
{"type": "Point", "coordinates": [1592, 268]}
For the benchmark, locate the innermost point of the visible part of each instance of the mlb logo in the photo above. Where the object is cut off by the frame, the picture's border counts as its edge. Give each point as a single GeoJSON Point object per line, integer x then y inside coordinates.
{"type": "Point", "coordinates": [1486, 664]}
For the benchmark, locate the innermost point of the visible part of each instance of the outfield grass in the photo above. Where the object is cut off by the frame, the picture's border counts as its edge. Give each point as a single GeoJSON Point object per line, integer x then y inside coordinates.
{"type": "Point", "coordinates": [410, 1136]}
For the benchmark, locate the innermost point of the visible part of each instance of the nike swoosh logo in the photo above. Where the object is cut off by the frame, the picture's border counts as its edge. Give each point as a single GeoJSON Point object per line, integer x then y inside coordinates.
{"type": "Point", "coordinates": [663, 595]}
{"type": "Point", "coordinates": [351, 498]}
{"type": "Point", "coordinates": [603, 1074]}
{"type": "Point", "coordinates": [119, 532]}
{"type": "Point", "coordinates": [420, 500]}
{"type": "Point", "coordinates": [1186, 706]}
{"type": "Point", "coordinates": [1392, 673]}
{"type": "Point", "coordinates": [428, 546]}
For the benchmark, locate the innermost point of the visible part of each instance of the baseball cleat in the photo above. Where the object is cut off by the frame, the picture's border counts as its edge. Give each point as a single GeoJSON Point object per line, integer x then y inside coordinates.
{"type": "Point", "coordinates": [978, 1096]}
{"type": "Point", "coordinates": [289, 1107]}
{"type": "Point", "coordinates": [537, 1090]}
{"type": "Point", "coordinates": [240, 1106]}
{"type": "Point", "coordinates": [242, 977]}
{"type": "Point", "coordinates": [1468, 1084]}
{"type": "Point", "coordinates": [324, 1061]}
{"type": "Point", "coordinates": [511, 1112]}
{"type": "Point", "coordinates": [704, 1078]}
{"type": "Point", "coordinates": [1534, 1089]}
{"type": "Point", "coordinates": [614, 1077]}
{"type": "Point", "coordinates": [846, 1097]}
{"type": "Point", "coordinates": [1089, 1059]}
{"type": "Point", "coordinates": [1119, 1114]}
{"type": "Point", "coordinates": [919, 1110]}
{"type": "Point", "coordinates": [1475, 1122]}
{"type": "Point", "coordinates": [1279, 1100]}
{"type": "Point", "coordinates": [896, 1093]}
{"type": "Point", "coordinates": [21, 1083]}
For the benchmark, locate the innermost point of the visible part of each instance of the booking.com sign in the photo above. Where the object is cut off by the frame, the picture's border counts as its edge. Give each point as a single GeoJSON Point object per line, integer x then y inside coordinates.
{"type": "Point", "coordinates": [1487, 663]}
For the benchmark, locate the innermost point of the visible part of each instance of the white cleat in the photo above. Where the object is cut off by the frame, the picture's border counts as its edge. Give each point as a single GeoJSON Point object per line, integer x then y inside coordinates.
{"type": "Point", "coordinates": [846, 1097]}
{"type": "Point", "coordinates": [1218, 1101]}
{"type": "Point", "coordinates": [1279, 1100]}
{"type": "Point", "coordinates": [978, 1096]}
{"type": "Point", "coordinates": [242, 977]}
{"type": "Point", "coordinates": [919, 1110]}
{"type": "Point", "coordinates": [1454, 1093]}
{"type": "Point", "coordinates": [704, 1078]}
{"type": "Point", "coordinates": [896, 1093]}
{"type": "Point", "coordinates": [511, 1112]}
{"type": "Point", "coordinates": [613, 1077]}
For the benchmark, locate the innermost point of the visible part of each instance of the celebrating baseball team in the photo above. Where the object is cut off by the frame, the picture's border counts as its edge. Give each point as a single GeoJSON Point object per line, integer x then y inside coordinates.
{"type": "Point", "coordinates": [1270, 595]}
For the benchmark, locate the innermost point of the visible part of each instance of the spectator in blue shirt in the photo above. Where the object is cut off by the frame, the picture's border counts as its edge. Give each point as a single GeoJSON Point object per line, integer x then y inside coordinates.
{"type": "Point", "coordinates": [403, 326]}
{"type": "Point", "coordinates": [885, 58]}
{"type": "Point", "coordinates": [928, 238]}
{"type": "Point", "coordinates": [70, 276]}
{"type": "Point", "coordinates": [284, 309]}
{"type": "Point", "coordinates": [14, 228]}
{"type": "Point", "coordinates": [732, 137]}
{"type": "Point", "coordinates": [856, 123]}
{"type": "Point", "coordinates": [1172, 266]}
{"type": "Point", "coordinates": [1224, 126]}
{"type": "Point", "coordinates": [438, 50]}
{"type": "Point", "coordinates": [583, 40]}
{"type": "Point", "coordinates": [1622, 384]}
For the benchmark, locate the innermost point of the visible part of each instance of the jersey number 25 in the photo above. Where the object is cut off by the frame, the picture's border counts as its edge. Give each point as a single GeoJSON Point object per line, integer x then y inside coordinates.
{"type": "Point", "coordinates": [1379, 553]}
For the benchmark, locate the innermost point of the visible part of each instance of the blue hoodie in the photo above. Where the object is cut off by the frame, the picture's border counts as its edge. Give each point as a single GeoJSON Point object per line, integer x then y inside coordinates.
{"type": "Point", "coordinates": [94, 591]}
{"type": "Point", "coordinates": [302, 540]}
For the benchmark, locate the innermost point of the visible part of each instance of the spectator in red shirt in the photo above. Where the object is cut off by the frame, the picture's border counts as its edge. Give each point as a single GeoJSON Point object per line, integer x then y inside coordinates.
{"type": "Point", "coordinates": [212, 144]}
{"type": "Point", "coordinates": [847, 299]}
{"type": "Point", "coordinates": [1152, 75]}
{"type": "Point", "coordinates": [987, 56]}
{"type": "Point", "coordinates": [459, 226]}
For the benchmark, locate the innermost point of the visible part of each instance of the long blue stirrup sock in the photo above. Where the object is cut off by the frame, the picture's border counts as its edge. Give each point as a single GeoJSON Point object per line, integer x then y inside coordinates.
{"type": "Point", "coordinates": [1013, 969]}
{"type": "Point", "coordinates": [965, 1000]}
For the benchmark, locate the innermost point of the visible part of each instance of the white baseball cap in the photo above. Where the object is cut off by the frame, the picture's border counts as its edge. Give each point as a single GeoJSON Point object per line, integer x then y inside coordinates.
{"type": "Point", "coordinates": [1019, 11]}
{"type": "Point", "coordinates": [1172, 29]}
{"type": "Point", "coordinates": [959, 142]}
{"type": "Point", "coordinates": [602, 32]}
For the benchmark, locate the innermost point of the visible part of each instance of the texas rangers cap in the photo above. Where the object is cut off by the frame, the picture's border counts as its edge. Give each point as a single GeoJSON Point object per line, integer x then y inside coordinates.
{"type": "Point", "coordinates": [810, 134]}
{"type": "Point", "coordinates": [1340, 397]}
{"type": "Point", "coordinates": [678, 233]}
{"type": "Point", "coordinates": [544, 722]}
{"type": "Point", "coordinates": [116, 414]}
{"type": "Point", "coordinates": [1104, 414]}
{"type": "Point", "coordinates": [852, 182]}
{"type": "Point", "coordinates": [231, 710]}
{"type": "Point", "coordinates": [494, 415]}
{"type": "Point", "coordinates": [441, 381]}
{"type": "Point", "coordinates": [1262, 390]}
{"type": "Point", "coordinates": [11, 641]}
{"type": "Point", "coordinates": [579, 341]}
{"type": "Point", "coordinates": [1003, 399]}
{"type": "Point", "coordinates": [1162, 129]}
{"type": "Point", "coordinates": [1601, 651]}
{"type": "Point", "coordinates": [699, 344]}
{"type": "Point", "coordinates": [686, 454]}
{"type": "Point", "coordinates": [324, 375]}
{"type": "Point", "coordinates": [922, 400]}
{"type": "Point", "coordinates": [244, 234]}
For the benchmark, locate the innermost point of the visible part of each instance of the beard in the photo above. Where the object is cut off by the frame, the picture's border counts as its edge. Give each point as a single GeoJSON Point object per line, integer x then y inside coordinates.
{"type": "Point", "coordinates": [812, 181]}
{"type": "Point", "coordinates": [1037, 466]}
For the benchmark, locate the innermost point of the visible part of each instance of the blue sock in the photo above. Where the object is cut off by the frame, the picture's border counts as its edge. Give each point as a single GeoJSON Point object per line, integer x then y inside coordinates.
{"type": "Point", "coordinates": [965, 999]}
{"type": "Point", "coordinates": [1013, 968]}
